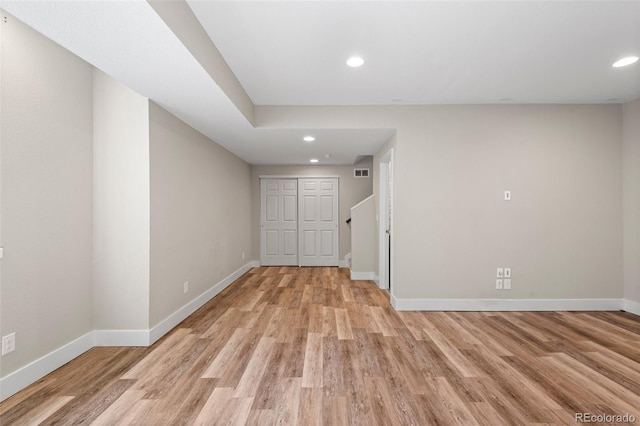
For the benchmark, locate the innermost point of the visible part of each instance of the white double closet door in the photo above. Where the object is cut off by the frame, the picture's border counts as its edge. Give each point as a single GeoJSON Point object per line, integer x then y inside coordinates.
{"type": "Point", "coordinates": [299, 221]}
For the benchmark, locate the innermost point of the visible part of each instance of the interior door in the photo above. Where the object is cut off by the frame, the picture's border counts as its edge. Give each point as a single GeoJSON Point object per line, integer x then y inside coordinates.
{"type": "Point", "coordinates": [318, 222]}
{"type": "Point", "coordinates": [279, 221]}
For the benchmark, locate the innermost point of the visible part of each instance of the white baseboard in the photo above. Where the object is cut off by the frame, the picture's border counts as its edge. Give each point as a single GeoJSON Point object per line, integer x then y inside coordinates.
{"type": "Point", "coordinates": [363, 276]}
{"type": "Point", "coordinates": [506, 304]}
{"type": "Point", "coordinates": [631, 307]}
{"type": "Point", "coordinates": [164, 326]}
{"type": "Point", "coordinates": [121, 337]}
{"type": "Point", "coordinates": [346, 262]}
{"type": "Point", "coordinates": [149, 337]}
{"type": "Point", "coordinates": [30, 373]}
{"type": "Point", "coordinates": [23, 377]}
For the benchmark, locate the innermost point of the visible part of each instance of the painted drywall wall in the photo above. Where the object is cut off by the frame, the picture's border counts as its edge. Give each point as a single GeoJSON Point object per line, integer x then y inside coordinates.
{"type": "Point", "coordinates": [351, 191]}
{"type": "Point", "coordinates": [363, 236]}
{"type": "Point", "coordinates": [46, 194]}
{"type": "Point", "coordinates": [631, 203]}
{"type": "Point", "coordinates": [200, 213]}
{"type": "Point", "coordinates": [121, 223]}
{"type": "Point", "coordinates": [562, 232]}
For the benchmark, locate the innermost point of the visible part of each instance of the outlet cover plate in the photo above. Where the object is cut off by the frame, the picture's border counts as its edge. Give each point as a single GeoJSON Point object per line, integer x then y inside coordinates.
{"type": "Point", "coordinates": [8, 343]}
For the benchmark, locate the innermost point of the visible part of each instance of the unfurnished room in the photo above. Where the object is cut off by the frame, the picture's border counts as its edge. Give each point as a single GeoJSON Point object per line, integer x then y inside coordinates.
{"type": "Point", "coordinates": [319, 212]}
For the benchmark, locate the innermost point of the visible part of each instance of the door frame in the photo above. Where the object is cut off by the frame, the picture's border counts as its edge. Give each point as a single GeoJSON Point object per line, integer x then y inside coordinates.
{"type": "Point", "coordinates": [260, 177]}
{"type": "Point", "coordinates": [383, 256]}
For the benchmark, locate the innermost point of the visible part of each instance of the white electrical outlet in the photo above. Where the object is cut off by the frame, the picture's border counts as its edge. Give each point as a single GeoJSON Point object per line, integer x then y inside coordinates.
{"type": "Point", "coordinates": [186, 287]}
{"type": "Point", "coordinates": [8, 343]}
{"type": "Point", "coordinates": [500, 273]}
{"type": "Point", "coordinates": [507, 272]}
{"type": "Point", "coordinates": [498, 284]}
{"type": "Point", "coordinates": [507, 195]}
{"type": "Point", "coordinates": [507, 284]}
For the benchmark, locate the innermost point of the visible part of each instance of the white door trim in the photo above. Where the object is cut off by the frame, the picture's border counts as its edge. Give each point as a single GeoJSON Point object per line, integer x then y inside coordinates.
{"type": "Point", "coordinates": [383, 281]}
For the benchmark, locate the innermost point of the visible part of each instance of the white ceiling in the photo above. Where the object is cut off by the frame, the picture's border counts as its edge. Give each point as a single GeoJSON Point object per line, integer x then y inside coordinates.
{"type": "Point", "coordinates": [427, 52]}
{"type": "Point", "coordinates": [293, 53]}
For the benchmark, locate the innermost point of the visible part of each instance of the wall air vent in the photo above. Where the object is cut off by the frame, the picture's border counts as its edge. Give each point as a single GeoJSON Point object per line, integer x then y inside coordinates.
{"type": "Point", "coordinates": [361, 173]}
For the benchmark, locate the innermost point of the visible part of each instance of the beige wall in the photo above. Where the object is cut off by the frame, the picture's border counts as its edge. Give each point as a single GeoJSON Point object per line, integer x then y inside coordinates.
{"type": "Point", "coordinates": [120, 206]}
{"type": "Point", "coordinates": [78, 225]}
{"type": "Point", "coordinates": [351, 192]}
{"type": "Point", "coordinates": [200, 213]}
{"type": "Point", "coordinates": [363, 236]}
{"type": "Point", "coordinates": [562, 232]}
{"type": "Point", "coordinates": [631, 188]}
{"type": "Point", "coordinates": [46, 176]}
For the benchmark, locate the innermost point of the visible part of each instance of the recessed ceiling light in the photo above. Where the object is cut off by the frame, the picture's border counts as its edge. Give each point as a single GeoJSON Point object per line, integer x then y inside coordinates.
{"type": "Point", "coordinates": [625, 61]}
{"type": "Point", "coordinates": [355, 61]}
{"type": "Point", "coordinates": [327, 156]}
{"type": "Point", "coordinates": [313, 160]}
{"type": "Point", "coordinates": [309, 139]}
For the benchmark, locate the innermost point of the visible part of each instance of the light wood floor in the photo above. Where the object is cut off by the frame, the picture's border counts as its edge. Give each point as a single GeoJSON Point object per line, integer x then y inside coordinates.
{"type": "Point", "coordinates": [307, 346]}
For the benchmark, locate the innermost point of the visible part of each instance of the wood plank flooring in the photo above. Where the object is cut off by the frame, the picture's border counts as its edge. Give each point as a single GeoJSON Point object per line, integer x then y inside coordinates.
{"type": "Point", "coordinates": [308, 346]}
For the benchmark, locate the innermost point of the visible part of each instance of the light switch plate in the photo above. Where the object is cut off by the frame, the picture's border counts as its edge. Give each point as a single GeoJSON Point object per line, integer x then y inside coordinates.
{"type": "Point", "coordinates": [507, 284]}
{"type": "Point", "coordinates": [498, 284]}
{"type": "Point", "coordinates": [500, 273]}
{"type": "Point", "coordinates": [507, 195]}
{"type": "Point", "coordinates": [507, 272]}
